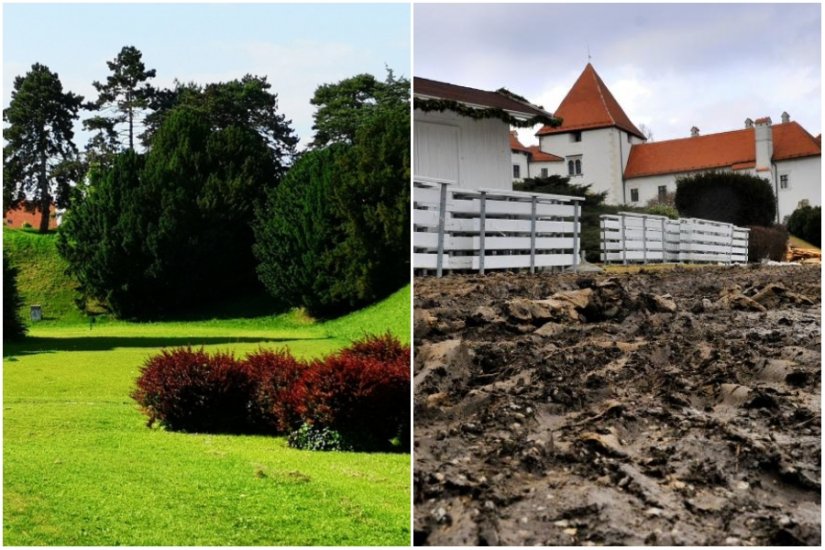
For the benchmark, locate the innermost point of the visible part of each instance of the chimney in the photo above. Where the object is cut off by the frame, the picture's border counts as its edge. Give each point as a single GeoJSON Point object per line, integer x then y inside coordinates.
{"type": "Point", "coordinates": [748, 122]}
{"type": "Point", "coordinates": [694, 131]}
{"type": "Point", "coordinates": [764, 144]}
{"type": "Point", "coordinates": [786, 118]}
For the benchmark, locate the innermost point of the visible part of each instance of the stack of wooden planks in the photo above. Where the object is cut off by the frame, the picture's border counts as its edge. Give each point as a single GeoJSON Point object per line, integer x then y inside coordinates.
{"type": "Point", "coordinates": [803, 255]}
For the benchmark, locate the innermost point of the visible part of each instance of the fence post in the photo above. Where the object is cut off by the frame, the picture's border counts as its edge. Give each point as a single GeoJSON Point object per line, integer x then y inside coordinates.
{"type": "Point", "coordinates": [624, 243]}
{"type": "Point", "coordinates": [441, 218]}
{"type": "Point", "coordinates": [575, 235]}
{"type": "Point", "coordinates": [481, 234]}
{"type": "Point", "coordinates": [644, 240]}
{"type": "Point", "coordinates": [602, 221]}
{"type": "Point", "coordinates": [533, 235]}
{"type": "Point", "coordinates": [664, 242]}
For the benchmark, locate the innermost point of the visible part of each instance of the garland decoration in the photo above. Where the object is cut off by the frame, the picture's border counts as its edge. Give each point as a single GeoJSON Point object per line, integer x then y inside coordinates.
{"type": "Point", "coordinates": [441, 105]}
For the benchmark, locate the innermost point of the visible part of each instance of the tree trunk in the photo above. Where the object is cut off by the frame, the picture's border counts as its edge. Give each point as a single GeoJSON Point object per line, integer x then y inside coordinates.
{"type": "Point", "coordinates": [45, 198]}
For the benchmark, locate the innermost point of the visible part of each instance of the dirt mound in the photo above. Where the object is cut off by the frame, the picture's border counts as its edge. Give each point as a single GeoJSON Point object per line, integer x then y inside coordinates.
{"type": "Point", "coordinates": [670, 408]}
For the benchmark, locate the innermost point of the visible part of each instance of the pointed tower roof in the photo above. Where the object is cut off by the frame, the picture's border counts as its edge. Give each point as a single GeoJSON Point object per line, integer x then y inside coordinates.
{"type": "Point", "coordinates": [590, 105]}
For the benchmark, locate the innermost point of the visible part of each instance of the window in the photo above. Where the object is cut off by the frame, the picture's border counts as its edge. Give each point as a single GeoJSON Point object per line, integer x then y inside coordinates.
{"type": "Point", "coordinates": [628, 139]}
{"type": "Point", "coordinates": [516, 171]}
{"type": "Point", "coordinates": [544, 172]}
{"type": "Point", "coordinates": [662, 193]}
{"type": "Point", "coordinates": [634, 195]}
{"type": "Point", "coordinates": [783, 181]}
{"type": "Point", "coordinates": [574, 166]}
{"type": "Point", "coordinates": [576, 137]}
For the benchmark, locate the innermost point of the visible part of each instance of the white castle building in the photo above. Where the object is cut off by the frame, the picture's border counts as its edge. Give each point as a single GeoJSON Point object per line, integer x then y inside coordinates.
{"type": "Point", "coordinates": [598, 144]}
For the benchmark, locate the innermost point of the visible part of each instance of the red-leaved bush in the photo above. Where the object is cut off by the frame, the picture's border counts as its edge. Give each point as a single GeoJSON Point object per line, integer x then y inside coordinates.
{"type": "Point", "coordinates": [275, 400]}
{"type": "Point", "coordinates": [193, 391]}
{"type": "Point", "coordinates": [363, 392]}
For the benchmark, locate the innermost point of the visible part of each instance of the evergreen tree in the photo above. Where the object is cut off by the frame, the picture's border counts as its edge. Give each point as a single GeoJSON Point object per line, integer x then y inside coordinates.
{"type": "Point", "coordinates": [298, 234]}
{"type": "Point", "coordinates": [122, 98]}
{"type": "Point", "coordinates": [343, 106]}
{"type": "Point", "coordinates": [13, 327]}
{"type": "Point", "coordinates": [38, 139]}
{"type": "Point", "coordinates": [158, 235]}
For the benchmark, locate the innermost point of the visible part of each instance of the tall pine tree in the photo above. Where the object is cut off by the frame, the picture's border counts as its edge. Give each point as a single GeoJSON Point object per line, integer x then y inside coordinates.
{"type": "Point", "coordinates": [38, 140]}
{"type": "Point", "coordinates": [122, 99]}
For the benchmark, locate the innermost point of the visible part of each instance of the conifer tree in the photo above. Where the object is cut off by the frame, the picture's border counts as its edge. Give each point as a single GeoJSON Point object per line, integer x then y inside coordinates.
{"type": "Point", "coordinates": [38, 140]}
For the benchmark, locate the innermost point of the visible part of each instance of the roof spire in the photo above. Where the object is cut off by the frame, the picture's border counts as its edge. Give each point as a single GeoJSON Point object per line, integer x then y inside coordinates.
{"type": "Point", "coordinates": [588, 51]}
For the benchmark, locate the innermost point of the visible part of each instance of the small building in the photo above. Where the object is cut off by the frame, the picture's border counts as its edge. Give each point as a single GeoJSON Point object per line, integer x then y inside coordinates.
{"type": "Point", "coordinates": [462, 134]}
{"type": "Point", "coordinates": [27, 213]}
{"type": "Point", "coordinates": [532, 162]}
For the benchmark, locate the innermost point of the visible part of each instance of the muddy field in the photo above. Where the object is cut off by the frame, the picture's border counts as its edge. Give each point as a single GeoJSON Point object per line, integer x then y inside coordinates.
{"type": "Point", "coordinates": [667, 408]}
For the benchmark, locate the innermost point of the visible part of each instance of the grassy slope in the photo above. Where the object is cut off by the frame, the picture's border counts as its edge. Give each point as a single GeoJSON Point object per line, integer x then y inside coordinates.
{"type": "Point", "coordinates": [80, 467]}
{"type": "Point", "coordinates": [42, 279]}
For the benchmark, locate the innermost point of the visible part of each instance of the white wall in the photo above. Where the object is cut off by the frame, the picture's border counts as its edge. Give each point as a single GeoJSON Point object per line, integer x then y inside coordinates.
{"type": "Point", "coordinates": [520, 159]}
{"type": "Point", "coordinates": [553, 169]}
{"type": "Point", "coordinates": [604, 153]}
{"type": "Point", "coordinates": [481, 147]}
{"type": "Point", "coordinates": [804, 183]}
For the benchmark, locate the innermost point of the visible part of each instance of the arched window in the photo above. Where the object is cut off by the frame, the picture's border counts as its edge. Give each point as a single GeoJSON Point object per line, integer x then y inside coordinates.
{"type": "Point", "coordinates": [578, 168]}
{"type": "Point", "coordinates": [571, 168]}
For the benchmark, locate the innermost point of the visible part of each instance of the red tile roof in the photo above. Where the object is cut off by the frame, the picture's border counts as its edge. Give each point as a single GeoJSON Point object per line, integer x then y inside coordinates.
{"type": "Point", "coordinates": [537, 155]}
{"type": "Point", "coordinates": [533, 151]}
{"type": "Point", "coordinates": [590, 105]}
{"type": "Point", "coordinates": [515, 144]}
{"type": "Point", "coordinates": [735, 150]}
{"type": "Point", "coordinates": [424, 87]}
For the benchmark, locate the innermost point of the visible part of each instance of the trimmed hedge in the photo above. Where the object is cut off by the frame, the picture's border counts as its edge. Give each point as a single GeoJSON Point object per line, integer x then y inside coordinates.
{"type": "Point", "coordinates": [806, 223]}
{"type": "Point", "coordinates": [767, 243]}
{"type": "Point", "coordinates": [361, 393]}
{"type": "Point", "coordinates": [727, 197]}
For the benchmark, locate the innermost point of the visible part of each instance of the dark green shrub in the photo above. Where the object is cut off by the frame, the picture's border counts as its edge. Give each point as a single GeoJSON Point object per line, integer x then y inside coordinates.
{"type": "Point", "coordinates": [298, 234]}
{"type": "Point", "coordinates": [13, 326]}
{"type": "Point", "coordinates": [806, 223]}
{"type": "Point", "coordinates": [728, 197]}
{"type": "Point", "coordinates": [314, 438]}
{"type": "Point", "coordinates": [767, 243]}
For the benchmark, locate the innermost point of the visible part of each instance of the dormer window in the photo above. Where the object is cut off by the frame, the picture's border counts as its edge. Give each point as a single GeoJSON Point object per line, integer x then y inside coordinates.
{"type": "Point", "coordinates": [576, 137]}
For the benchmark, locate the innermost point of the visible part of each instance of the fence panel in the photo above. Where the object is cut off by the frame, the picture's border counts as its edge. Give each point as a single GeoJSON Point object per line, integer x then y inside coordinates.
{"type": "Point", "coordinates": [630, 237]}
{"type": "Point", "coordinates": [466, 229]}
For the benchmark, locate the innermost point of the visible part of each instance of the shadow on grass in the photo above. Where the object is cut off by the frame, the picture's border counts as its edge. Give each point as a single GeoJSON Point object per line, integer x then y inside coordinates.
{"type": "Point", "coordinates": [35, 344]}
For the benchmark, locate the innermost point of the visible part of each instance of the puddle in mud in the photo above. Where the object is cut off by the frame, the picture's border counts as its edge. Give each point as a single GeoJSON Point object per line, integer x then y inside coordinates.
{"type": "Point", "coordinates": [665, 408]}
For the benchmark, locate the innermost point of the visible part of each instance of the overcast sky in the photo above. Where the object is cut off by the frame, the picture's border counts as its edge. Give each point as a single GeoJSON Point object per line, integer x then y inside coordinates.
{"type": "Point", "coordinates": [297, 46]}
{"type": "Point", "coordinates": [669, 66]}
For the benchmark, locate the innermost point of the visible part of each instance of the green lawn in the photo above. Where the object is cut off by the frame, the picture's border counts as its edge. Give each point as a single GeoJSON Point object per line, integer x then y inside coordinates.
{"type": "Point", "coordinates": [81, 468]}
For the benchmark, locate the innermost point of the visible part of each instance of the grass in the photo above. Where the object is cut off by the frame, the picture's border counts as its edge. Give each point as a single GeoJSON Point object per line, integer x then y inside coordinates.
{"type": "Point", "coordinates": [81, 467]}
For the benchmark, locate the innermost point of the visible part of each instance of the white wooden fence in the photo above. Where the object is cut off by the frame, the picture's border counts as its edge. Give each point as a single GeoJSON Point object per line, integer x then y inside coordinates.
{"type": "Point", "coordinates": [630, 238]}
{"type": "Point", "coordinates": [478, 230]}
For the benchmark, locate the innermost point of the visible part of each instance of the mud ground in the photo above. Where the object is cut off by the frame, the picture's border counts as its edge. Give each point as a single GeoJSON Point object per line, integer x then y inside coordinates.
{"type": "Point", "coordinates": [659, 408]}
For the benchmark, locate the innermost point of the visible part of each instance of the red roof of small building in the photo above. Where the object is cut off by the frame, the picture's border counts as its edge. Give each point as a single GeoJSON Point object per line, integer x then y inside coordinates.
{"type": "Point", "coordinates": [537, 155]}
{"type": "Point", "coordinates": [21, 215]}
{"type": "Point", "coordinates": [735, 150]}
{"type": "Point", "coordinates": [473, 96]}
{"type": "Point", "coordinates": [533, 151]}
{"type": "Point", "coordinates": [590, 105]}
{"type": "Point", "coordinates": [515, 144]}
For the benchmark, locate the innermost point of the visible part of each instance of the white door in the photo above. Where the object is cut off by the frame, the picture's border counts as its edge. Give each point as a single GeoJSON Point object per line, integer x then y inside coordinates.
{"type": "Point", "coordinates": [436, 151]}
